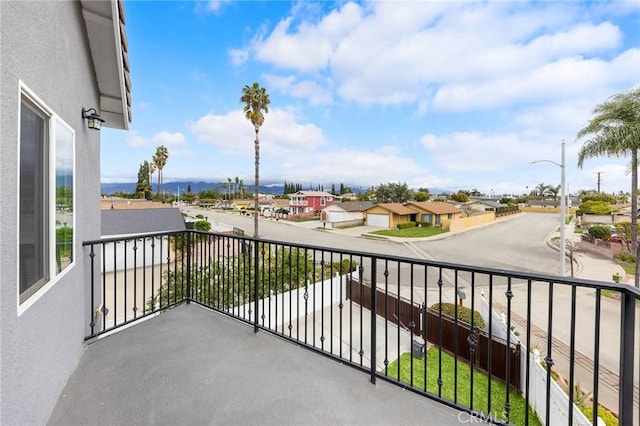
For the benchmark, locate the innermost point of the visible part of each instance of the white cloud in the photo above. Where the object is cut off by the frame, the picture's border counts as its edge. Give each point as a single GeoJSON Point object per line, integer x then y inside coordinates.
{"type": "Point", "coordinates": [134, 139]}
{"type": "Point", "coordinates": [313, 91]}
{"type": "Point", "coordinates": [168, 139]}
{"type": "Point", "coordinates": [401, 52]}
{"type": "Point", "coordinates": [238, 56]}
{"type": "Point", "coordinates": [280, 135]}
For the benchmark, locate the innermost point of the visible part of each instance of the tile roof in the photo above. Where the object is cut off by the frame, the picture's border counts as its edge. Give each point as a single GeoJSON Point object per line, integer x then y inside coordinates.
{"type": "Point", "coordinates": [437, 207]}
{"type": "Point", "coordinates": [397, 208]}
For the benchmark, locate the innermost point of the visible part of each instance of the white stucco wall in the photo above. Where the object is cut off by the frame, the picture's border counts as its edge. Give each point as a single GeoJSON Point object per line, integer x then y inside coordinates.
{"type": "Point", "coordinates": [44, 45]}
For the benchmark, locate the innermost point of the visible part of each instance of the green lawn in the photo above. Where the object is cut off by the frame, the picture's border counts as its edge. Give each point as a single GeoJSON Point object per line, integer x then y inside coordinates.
{"type": "Point", "coordinates": [480, 385]}
{"type": "Point", "coordinates": [410, 232]}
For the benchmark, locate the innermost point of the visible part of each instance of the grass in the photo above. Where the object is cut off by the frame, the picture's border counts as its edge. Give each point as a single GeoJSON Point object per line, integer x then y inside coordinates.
{"type": "Point", "coordinates": [480, 385]}
{"type": "Point", "coordinates": [629, 268]}
{"type": "Point", "coordinates": [410, 232]}
{"type": "Point", "coordinates": [308, 219]}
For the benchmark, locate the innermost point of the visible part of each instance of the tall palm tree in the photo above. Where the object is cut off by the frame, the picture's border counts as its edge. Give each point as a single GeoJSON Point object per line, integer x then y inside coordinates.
{"type": "Point", "coordinates": [554, 191]}
{"type": "Point", "coordinates": [237, 188]}
{"type": "Point", "coordinates": [256, 100]}
{"type": "Point", "coordinates": [541, 189]}
{"type": "Point", "coordinates": [152, 170]}
{"type": "Point", "coordinates": [159, 161]}
{"type": "Point", "coordinates": [229, 186]}
{"type": "Point", "coordinates": [614, 131]}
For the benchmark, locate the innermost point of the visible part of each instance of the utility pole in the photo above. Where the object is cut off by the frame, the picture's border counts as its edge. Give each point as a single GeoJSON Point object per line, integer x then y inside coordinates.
{"type": "Point", "coordinates": [599, 181]}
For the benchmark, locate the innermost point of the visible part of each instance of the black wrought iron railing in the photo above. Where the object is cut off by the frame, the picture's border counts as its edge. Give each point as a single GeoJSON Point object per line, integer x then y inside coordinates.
{"type": "Point", "coordinates": [497, 345]}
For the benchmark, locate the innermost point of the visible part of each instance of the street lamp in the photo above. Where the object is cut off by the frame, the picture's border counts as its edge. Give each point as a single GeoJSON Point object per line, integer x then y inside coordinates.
{"type": "Point", "coordinates": [563, 212]}
{"type": "Point", "coordinates": [178, 197]}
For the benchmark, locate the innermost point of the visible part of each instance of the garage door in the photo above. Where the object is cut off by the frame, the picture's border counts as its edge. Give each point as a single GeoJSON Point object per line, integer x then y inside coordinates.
{"type": "Point", "coordinates": [337, 216]}
{"type": "Point", "coordinates": [381, 220]}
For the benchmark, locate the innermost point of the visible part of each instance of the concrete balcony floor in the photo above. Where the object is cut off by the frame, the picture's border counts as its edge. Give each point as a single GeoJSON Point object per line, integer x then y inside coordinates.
{"type": "Point", "coordinates": [195, 366]}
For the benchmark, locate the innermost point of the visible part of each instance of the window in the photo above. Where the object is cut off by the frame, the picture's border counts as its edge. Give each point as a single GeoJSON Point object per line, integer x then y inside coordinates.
{"type": "Point", "coordinates": [426, 218]}
{"type": "Point", "coordinates": [34, 125]}
{"type": "Point", "coordinates": [46, 191]}
{"type": "Point", "coordinates": [322, 202]}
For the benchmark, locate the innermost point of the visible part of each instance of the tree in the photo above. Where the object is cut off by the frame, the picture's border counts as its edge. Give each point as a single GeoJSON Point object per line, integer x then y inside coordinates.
{"type": "Point", "coordinates": [468, 210]}
{"type": "Point", "coordinates": [143, 188]}
{"type": "Point", "coordinates": [460, 197]}
{"type": "Point", "coordinates": [614, 131]}
{"type": "Point", "coordinates": [421, 196]}
{"type": "Point", "coordinates": [541, 189]}
{"type": "Point", "coordinates": [553, 191]}
{"type": "Point", "coordinates": [159, 161]}
{"type": "Point", "coordinates": [152, 170]}
{"type": "Point", "coordinates": [393, 193]}
{"type": "Point", "coordinates": [256, 100]}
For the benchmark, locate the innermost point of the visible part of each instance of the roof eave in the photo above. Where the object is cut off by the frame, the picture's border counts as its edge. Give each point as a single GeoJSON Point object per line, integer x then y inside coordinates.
{"type": "Point", "coordinates": [108, 45]}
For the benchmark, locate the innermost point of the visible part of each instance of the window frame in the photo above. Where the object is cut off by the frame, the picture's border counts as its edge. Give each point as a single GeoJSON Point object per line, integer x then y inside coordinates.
{"type": "Point", "coordinates": [27, 298]}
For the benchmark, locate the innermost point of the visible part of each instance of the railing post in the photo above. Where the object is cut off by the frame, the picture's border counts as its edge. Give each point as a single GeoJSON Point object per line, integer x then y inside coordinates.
{"type": "Point", "coordinates": [256, 281]}
{"type": "Point", "coordinates": [373, 318]}
{"type": "Point", "coordinates": [189, 248]}
{"type": "Point", "coordinates": [627, 335]}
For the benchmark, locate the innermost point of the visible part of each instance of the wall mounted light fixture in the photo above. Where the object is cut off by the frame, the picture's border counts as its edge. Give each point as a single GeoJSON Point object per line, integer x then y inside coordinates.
{"type": "Point", "coordinates": [94, 121]}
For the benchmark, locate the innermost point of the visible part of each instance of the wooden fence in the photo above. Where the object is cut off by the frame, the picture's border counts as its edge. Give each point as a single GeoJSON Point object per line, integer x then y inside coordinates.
{"type": "Point", "coordinates": [456, 339]}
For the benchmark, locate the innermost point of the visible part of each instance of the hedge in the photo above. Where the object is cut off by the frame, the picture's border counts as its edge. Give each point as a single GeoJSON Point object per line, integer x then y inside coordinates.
{"type": "Point", "coordinates": [464, 314]}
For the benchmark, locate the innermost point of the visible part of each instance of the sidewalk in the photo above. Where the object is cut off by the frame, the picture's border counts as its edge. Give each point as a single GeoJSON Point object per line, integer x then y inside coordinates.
{"type": "Point", "coordinates": [588, 265]}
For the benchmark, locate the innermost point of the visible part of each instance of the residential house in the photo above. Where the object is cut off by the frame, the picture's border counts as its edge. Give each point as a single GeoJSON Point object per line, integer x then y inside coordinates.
{"type": "Point", "coordinates": [435, 212]}
{"type": "Point", "coordinates": [347, 213]}
{"type": "Point", "coordinates": [274, 207]}
{"type": "Point", "coordinates": [389, 215]}
{"type": "Point", "coordinates": [131, 222]}
{"type": "Point", "coordinates": [309, 201]}
{"type": "Point", "coordinates": [64, 65]}
{"type": "Point", "coordinates": [126, 203]}
{"type": "Point", "coordinates": [485, 204]}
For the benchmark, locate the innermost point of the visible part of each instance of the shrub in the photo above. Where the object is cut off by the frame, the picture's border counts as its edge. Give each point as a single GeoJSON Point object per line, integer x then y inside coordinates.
{"type": "Point", "coordinates": [607, 416]}
{"type": "Point", "coordinates": [406, 225]}
{"type": "Point", "coordinates": [626, 257]}
{"type": "Point", "coordinates": [425, 224]}
{"type": "Point", "coordinates": [597, 207]}
{"type": "Point", "coordinates": [199, 216]}
{"type": "Point", "coordinates": [599, 197]}
{"type": "Point", "coordinates": [464, 314]}
{"type": "Point", "coordinates": [202, 225]}
{"type": "Point", "coordinates": [600, 232]}
{"type": "Point", "coordinates": [346, 266]}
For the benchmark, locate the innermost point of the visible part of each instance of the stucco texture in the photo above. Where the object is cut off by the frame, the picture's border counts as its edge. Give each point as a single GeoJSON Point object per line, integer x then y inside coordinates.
{"type": "Point", "coordinates": [44, 45]}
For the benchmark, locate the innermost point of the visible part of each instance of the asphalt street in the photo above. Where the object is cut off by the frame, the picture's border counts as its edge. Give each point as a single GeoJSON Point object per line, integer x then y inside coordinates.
{"type": "Point", "coordinates": [518, 243]}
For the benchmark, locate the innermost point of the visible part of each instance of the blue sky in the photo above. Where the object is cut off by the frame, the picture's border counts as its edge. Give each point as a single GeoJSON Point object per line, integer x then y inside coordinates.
{"type": "Point", "coordinates": [448, 95]}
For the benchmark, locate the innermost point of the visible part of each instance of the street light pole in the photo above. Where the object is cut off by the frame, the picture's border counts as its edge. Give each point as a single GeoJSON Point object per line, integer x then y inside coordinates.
{"type": "Point", "coordinates": [563, 212]}
{"type": "Point", "coordinates": [563, 217]}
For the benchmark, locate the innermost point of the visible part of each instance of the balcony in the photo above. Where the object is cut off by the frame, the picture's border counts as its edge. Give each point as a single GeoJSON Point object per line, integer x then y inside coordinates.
{"type": "Point", "coordinates": [192, 327]}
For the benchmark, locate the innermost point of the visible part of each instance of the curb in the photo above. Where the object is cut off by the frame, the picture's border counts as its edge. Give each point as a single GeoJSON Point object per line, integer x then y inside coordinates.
{"type": "Point", "coordinates": [579, 264]}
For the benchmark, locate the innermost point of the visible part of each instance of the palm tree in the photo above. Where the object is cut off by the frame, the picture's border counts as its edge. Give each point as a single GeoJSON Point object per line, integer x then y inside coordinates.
{"type": "Point", "coordinates": [541, 189]}
{"type": "Point", "coordinates": [256, 100]}
{"type": "Point", "coordinates": [242, 189]}
{"type": "Point", "coordinates": [237, 187]}
{"type": "Point", "coordinates": [152, 170]}
{"type": "Point", "coordinates": [614, 131]}
{"type": "Point", "coordinates": [553, 191]}
{"type": "Point", "coordinates": [229, 186]}
{"type": "Point", "coordinates": [159, 161]}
